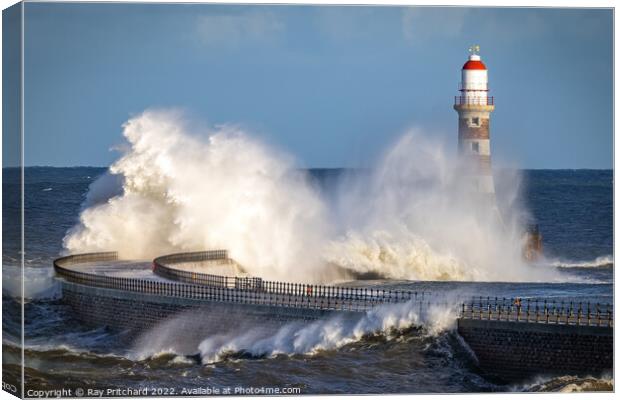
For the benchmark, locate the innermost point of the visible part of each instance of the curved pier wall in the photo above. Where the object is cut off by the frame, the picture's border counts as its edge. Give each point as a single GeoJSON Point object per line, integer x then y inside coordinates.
{"type": "Point", "coordinates": [140, 311]}
{"type": "Point", "coordinates": [514, 351]}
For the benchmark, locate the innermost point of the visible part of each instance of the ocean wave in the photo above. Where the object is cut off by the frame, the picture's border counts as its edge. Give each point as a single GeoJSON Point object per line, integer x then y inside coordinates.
{"type": "Point", "coordinates": [181, 360]}
{"type": "Point", "coordinates": [246, 338]}
{"type": "Point", "coordinates": [58, 347]}
{"type": "Point", "coordinates": [330, 334]}
{"type": "Point", "coordinates": [61, 351]}
{"type": "Point", "coordinates": [598, 262]}
{"type": "Point", "coordinates": [569, 384]}
{"type": "Point", "coordinates": [164, 358]}
{"type": "Point", "coordinates": [38, 283]}
{"type": "Point", "coordinates": [400, 253]}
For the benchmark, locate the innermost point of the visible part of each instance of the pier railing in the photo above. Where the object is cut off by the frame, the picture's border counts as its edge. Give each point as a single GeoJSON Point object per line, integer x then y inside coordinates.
{"type": "Point", "coordinates": [270, 293]}
{"type": "Point", "coordinates": [539, 311]}
{"type": "Point", "coordinates": [164, 266]}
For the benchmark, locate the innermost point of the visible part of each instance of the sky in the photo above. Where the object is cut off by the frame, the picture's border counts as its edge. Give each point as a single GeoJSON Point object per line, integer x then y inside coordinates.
{"type": "Point", "coordinates": [333, 86]}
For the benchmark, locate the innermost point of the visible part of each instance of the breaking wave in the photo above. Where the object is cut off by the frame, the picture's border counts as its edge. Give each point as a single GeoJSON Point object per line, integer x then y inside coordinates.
{"type": "Point", "coordinates": [179, 189]}
{"type": "Point", "coordinates": [220, 189]}
{"type": "Point", "coordinates": [322, 335]}
{"type": "Point", "coordinates": [265, 340]}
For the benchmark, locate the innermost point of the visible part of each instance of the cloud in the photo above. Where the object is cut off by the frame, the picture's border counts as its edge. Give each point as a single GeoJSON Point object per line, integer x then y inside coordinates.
{"type": "Point", "coordinates": [423, 23]}
{"type": "Point", "coordinates": [236, 29]}
{"type": "Point", "coordinates": [346, 23]}
{"type": "Point", "coordinates": [513, 27]}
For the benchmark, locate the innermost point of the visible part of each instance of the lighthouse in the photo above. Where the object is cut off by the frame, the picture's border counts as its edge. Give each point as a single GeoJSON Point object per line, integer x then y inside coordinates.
{"type": "Point", "coordinates": [474, 107]}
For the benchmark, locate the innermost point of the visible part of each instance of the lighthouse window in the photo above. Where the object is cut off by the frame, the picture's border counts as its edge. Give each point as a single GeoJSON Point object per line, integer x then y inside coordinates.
{"type": "Point", "coordinates": [475, 147]}
{"type": "Point", "coordinates": [475, 121]}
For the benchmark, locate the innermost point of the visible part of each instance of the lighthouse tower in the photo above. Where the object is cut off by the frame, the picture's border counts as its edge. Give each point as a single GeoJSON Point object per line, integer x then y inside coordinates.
{"type": "Point", "coordinates": [474, 107]}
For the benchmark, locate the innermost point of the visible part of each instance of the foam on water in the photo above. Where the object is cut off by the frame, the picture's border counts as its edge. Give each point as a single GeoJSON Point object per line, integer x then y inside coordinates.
{"type": "Point", "coordinates": [568, 384]}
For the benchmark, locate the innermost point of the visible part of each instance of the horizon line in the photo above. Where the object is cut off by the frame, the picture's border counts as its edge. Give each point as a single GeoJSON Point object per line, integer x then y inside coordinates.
{"type": "Point", "coordinates": [496, 168]}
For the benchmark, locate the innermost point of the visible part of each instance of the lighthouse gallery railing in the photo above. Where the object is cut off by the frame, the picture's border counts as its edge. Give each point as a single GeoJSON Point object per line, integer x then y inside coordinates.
{"type": "Point", "coordinates": [474, 101]}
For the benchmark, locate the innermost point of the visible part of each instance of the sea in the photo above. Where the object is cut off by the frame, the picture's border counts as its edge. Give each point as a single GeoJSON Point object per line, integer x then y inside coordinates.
{"type": "Point", "coordinates": [574, 212]}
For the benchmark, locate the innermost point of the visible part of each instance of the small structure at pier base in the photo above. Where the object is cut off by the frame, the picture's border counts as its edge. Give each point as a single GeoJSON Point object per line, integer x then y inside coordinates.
{"type": "Point", "coordinates": [532, 249]}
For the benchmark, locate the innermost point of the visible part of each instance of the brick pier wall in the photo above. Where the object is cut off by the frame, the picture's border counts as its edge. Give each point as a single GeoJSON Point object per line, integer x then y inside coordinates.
{"type": "Point", "coordinates": [516, 351]}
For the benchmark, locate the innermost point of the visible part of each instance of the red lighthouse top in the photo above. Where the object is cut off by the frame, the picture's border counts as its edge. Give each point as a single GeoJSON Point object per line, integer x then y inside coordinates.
{"type": "Point", "coordinates": [474, 64]}
{"type": "Point", "coordinates": [474, 60]}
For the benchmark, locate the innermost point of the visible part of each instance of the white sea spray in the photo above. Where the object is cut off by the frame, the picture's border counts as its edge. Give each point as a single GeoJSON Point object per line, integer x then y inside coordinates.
{"type": "Point", "coordinates": [413, 217]}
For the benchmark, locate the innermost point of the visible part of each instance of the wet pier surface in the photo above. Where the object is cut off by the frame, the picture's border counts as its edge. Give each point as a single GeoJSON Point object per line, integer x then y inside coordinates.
{"type": "Point", "coordinates": [137, 269]}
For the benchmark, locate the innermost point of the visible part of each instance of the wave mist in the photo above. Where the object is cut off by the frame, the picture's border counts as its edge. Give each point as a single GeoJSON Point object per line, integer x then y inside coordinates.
{"type": "Point", "coordinates": [416, 217]}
